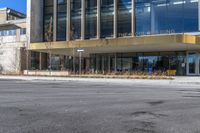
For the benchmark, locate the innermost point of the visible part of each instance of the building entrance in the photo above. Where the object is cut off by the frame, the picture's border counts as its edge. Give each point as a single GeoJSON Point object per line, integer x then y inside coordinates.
{"type": "Point", "coordinates": [193, 63]}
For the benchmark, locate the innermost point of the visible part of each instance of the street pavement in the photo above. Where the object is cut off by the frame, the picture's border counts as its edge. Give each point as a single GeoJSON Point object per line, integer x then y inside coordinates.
{"type": "Point", "coordinates": [81, 106]}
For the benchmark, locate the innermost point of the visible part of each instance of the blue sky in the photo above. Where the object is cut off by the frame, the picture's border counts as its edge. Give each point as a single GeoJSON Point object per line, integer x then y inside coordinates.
{"type": "Point", "coordinates": [19, 5]}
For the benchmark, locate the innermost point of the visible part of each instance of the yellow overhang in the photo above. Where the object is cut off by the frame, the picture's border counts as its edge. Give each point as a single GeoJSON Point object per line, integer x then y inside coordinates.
{"type": "Point", "coordinates": [145, 40]}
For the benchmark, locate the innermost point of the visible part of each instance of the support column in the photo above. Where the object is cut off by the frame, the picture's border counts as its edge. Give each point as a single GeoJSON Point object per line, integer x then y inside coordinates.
{"type": "Point", "coordinates": [133, 18]}
{"type": "Point", "coordinates": [54, 20]}
{"type": "Point", "coordinates": [102, 64]}
{"type": "Point", "coordinates": [83, 20]}
{"type": "Point", "coordinates": [68, 35]}
{"type": "Point", "coordinates": [115, 19]}
{"type": "Point", "coordinates": [98, 19]}
{"type": "Point", "coordinates": [40, 61]}
{"type": "Point", "coordinates": [115, 62]}
{"type": "Point", "coordinates": [109, 63]}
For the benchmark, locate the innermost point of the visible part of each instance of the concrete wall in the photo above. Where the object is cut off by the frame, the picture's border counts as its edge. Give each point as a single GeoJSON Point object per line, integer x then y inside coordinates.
{"type": "Point", "coordinates": [35, 20]}
{"type": "Point", "coordinates": [3, 16]}
{"type": "Point", "coordinates": [10, 60]}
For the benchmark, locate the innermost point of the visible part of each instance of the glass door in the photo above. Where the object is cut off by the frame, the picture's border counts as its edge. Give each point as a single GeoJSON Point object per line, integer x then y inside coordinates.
{"type": "Point", "coordinates": [191, 59]}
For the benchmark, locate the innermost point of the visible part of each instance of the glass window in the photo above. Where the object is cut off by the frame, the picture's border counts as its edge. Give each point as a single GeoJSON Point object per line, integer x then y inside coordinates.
{"type": "Point", "coordinates": [192, 63]}
{"type": "Point", "coordinates": [191, 15]}
{"type": "Point", "coordinates": [1, 33]}
{"type": "Point", "coordinates": [75, 19]}
{"type": "Point", "coordinates": [48, 20]}
{"type": "Point", "coordinates": [61, 20]}
{"type": "Point", "coordinates": [22, 31]}
{"type": "Point", "coordinates": [124, 18]}
{"type": "Point", "coordinates": [166, 16]}
{"type": "Point", "coordinates": [91, 19]}
{"type": "Point", "coordinates": [107, 18]}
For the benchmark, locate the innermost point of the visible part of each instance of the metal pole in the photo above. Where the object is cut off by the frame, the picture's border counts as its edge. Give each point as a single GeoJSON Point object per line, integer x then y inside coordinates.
{"type": "Point", "coordinates": [74, 66]}
{"type": "Point", "coordinates": [80, 54]}
{"type": "Point", "coordinates": [115, 62]}
{"type": "Point", "coordinates": [27, 54]}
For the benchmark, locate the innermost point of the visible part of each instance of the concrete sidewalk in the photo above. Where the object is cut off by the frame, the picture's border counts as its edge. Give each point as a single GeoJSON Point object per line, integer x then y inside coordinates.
{"type": "Point", "coordinates": [193, 80]}
{"type": "Point", "coordinates": [175, 80]}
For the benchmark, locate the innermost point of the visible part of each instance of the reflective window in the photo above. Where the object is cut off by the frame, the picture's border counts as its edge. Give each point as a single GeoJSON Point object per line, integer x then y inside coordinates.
{"type": "Point", "coordinates": [107, 18]}
{"type": "Point", "coordinates": [190, 15]}
{"type": "Point", "coordinates": [11, 32]}
{"type": "Point", "coordinates": [91, 19]}
{"type": "Point", "coordinates": [22, 31]}
{"type": "Point", "coordinates": [166, 16]}
{"type": "Point", "coordinates": [48, 20]}
{"type": "Point", "coordinates": [61, 20]}
{"type": "Point", "coordinates": [1, 33]}
{"type": "Point", "coordinates": [75, 19]}
{"type": "Point", "coordinates": [146, 63]}
{"type": "Point", "coordinates": [124, 18]}
{"type": "Point", "coordinates": [143, 18]}
{"type": "Point", "coordinates": [192, 63]}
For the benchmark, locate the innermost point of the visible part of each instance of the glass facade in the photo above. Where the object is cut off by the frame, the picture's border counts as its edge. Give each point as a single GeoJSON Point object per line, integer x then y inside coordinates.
{"type": "Point", "coordinates": [161, 62]}
{"type": "Point", "coordinates": [48, 20]}
{"type": "Point", "coordinates": [124, 18]}
{"type": "Point", "coordinates": [150, 17]}
{"type": "Point", "coordinates": [90, 19]}
{"type": "Point", "coordinates": [166, 16]}
{"type": "Point", "coordinates": [75, 19]}
{"type": "Point", "coordinates": [61, 20]}
{"type": "Point", "coordinates": [107, 17]}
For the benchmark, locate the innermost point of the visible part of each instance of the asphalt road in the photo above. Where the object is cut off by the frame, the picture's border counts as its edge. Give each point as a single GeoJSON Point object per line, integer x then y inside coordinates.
{"type": "Point", "coordinates": [90, 107]}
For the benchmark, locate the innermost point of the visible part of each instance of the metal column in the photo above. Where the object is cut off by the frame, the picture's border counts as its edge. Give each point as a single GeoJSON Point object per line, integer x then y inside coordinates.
{"type": "Point", "coordinates": [98, 19]}
{"type": "Point", "coordinates": [68, 34]}
{"type": "Point", "coordinates": [54, 19]}
{"type": "Point", "coordinates": [115, 19]}
{"type": "Point", "coordinates": [133, 18]}
{"type": "Point", "coordinates": [83, 20]}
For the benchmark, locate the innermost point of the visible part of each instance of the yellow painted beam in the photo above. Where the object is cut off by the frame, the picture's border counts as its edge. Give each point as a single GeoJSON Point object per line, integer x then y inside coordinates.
{"type": "Point", "coordinates": [145, 40]}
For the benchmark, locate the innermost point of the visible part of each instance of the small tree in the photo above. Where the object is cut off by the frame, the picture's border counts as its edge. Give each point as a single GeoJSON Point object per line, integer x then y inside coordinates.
{"type": "Point", "coordinates": [49, 39]}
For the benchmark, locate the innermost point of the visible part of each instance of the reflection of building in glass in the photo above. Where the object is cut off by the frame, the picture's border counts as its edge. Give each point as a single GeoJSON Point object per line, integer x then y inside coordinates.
{"type": "Point", "coordinates": [117, 35]}
{"type": "Point", "coordinates": [165, 16]}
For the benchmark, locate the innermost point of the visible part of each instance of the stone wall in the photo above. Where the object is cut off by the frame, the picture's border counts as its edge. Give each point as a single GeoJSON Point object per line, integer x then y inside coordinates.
{"type": "Point", "coordinates": [9, 60]}
{"type": "Point", "coordinates": [35, 20]}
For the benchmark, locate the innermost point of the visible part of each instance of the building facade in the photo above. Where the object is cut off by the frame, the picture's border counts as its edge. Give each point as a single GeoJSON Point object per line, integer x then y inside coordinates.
{"type": "Point", "coordinates": [116, 35]}
{"type": "Point", "coordinates": [13, 41]}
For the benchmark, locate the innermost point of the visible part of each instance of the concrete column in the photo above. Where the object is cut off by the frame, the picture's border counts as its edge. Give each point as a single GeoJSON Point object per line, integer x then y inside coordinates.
{"type": "Point", "coordinates": [115, 19]}
{"type": "Point", "coordinates": [102, 64]}
{"type": "Point", "coordinates": [133, 18]}
{"type": "Point", "coordinates": [54, 19]}
{"type": "Point", "coordinates": [68, 34]}
{"type": "Point", "coordinates": [40, 59]}
{"type": "Point", "coordinates": [83, 20]}
{"type": "Point", "coordinates": [34, 21]}
{"type": "Point", "coordinates": [115, 62]}
{"type": "Point", "coordinates": [18, 35]}
{"type": "Point", "coordinates": [109, 63]}
{"type": "Point", "coordinates": [98, 19]}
